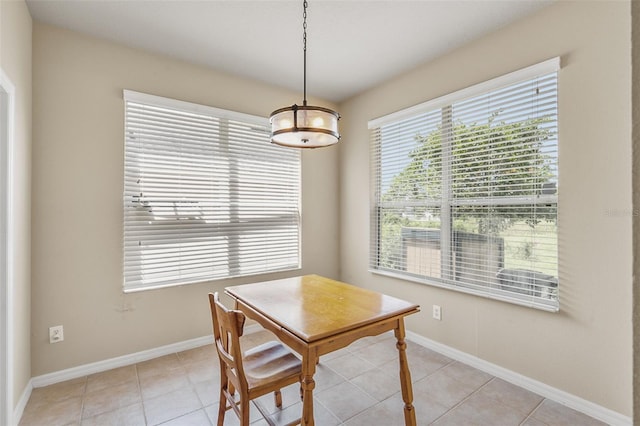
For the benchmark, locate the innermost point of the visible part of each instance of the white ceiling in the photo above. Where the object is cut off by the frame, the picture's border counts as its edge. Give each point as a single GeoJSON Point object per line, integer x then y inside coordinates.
{"type": "Point", "coordinates": [352, 44]}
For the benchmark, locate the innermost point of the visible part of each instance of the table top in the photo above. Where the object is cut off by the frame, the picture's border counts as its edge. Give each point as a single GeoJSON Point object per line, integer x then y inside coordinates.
{"type": "Point", "coordinates": [313, 307]}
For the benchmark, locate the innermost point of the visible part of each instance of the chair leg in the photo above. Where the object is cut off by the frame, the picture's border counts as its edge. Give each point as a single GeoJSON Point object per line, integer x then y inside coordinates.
{"type": "Point", "coordinates": [278, 397]}
{"type": "Point", "coordinates": [222, 407]}
{"type": "Point", "coordinates": [244, 412]}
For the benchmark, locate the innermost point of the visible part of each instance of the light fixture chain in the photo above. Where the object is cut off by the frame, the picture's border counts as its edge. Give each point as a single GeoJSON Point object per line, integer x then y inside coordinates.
{"type": "Point", "coordinates": [304, 126]}
{"type": "Point", "coordinates": [304, 49]}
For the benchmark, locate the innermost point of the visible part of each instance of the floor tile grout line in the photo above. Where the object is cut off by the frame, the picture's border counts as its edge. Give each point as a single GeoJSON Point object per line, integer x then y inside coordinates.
{"type": "Point", "coordinates": [365, 391]}
{"type": "Point", "coordinates": [191, 387]}
{"type": "Point", "coordinates": [84, 392]}
{"type": "Point", "coordinates": [177, 417]}
{"type": "Point", "coordinates": [192, 384]}
{"type": "Point", "coordinates": [379, 368]}
{"type": "Point", "coordinates": [530, 415]}
{"type": "Point", "coordinates": [463, 400]}
{"type": "Point", "coordinates": [358, 387]}
{"type": "Point", "coordinates": [437, 370]}
{"type": "Point", "coordinates": [144, 412]}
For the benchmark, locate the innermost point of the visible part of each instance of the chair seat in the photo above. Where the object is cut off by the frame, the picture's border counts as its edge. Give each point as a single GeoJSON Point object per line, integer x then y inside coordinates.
{"type": "Point", "coordinates": [270, 362]}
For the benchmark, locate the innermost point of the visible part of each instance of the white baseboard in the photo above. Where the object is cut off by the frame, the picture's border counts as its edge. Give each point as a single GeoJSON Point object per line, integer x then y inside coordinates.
{"type": "Point", "coordinates": [589, 408]}
{"type": "Point", "coordinates": [582, 405]}
{"type": "Point", "coordinates": [22, 403]}
{"type": "Point", "coordinates": [121, 361]}
{"type": "Point", "coordinates": [108, 364]}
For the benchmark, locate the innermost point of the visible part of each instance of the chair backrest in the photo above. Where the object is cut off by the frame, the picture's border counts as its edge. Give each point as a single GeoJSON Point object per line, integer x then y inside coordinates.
{"type": "Point", "coordinates": [228, 326]}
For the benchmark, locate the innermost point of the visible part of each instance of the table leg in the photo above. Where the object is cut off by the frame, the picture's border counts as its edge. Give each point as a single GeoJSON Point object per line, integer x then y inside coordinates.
{"type": "Point", "coordinates": [405, 376]}
{"type": "Point", "coordinates": [309, 361]}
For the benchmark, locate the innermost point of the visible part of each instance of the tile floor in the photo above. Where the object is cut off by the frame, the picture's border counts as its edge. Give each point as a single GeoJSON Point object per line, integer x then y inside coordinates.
{"type": "Point", "coordinates": [358, 385]}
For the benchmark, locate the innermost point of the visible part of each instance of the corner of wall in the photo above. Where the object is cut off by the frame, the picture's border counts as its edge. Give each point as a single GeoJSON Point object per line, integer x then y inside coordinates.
{"type": "Point", "coordinates": [16, 29]}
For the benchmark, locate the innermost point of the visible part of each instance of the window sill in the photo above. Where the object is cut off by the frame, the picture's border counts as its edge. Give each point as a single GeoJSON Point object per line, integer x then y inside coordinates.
{"type": "Point", "coordinates": [495, 294]}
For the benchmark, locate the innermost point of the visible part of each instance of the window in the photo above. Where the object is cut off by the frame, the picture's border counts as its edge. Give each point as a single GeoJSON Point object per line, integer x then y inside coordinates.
{"type": "Point", "coordinates": [206, 196]}
{"type": "Point", "coordinates": [465, 190]}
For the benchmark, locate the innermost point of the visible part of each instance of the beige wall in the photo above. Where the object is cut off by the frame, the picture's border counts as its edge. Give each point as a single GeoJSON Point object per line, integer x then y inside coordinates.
{"type": "Point", "coordinates": [15, 60]}
{"type": "Point", "coordinates": [586, 348]}
{"type": "Point", "coordinates": [77, 225]}
{"type": "Point", "coordinates": [77, 198]}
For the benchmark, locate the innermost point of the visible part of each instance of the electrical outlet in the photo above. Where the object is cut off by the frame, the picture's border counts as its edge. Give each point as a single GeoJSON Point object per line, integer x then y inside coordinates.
{"type": "Point", "coordinates": [56, 334]}
{"type": "Point", "coordinates": [437, 312]}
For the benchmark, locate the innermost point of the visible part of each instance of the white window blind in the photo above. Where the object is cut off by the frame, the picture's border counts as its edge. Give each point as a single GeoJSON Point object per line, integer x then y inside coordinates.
{"type": "Point", "coordinates": [466, 188]}
{"type": "Point", "coordinates": [206, 196]}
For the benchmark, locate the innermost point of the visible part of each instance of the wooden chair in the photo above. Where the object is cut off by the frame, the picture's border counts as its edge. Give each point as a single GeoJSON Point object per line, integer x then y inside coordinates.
{"type": "Point", "coordinates": [261, 370]}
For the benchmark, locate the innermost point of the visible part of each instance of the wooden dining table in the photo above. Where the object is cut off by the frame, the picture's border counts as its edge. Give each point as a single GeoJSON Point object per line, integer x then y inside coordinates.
{"type": "Point", "coordinates": [314, 316]}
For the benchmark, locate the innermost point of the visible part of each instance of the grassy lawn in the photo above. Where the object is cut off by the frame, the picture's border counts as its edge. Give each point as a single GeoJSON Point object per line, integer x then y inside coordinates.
{"type": "Point", "coordinates": [533, 248]}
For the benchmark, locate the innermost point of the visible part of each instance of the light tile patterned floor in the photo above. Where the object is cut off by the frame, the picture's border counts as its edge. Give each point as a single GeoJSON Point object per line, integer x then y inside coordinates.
{"type": "Point", "coordinates": [358, 385]}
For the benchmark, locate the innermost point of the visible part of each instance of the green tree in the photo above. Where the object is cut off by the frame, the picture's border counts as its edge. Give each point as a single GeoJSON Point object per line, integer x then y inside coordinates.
{"type": "Point", "coordinates": [490, 160]}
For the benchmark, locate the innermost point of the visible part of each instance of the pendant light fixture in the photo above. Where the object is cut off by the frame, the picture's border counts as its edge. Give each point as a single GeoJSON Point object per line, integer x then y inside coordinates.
{"type": "Point", "coordinates": [304, 126]}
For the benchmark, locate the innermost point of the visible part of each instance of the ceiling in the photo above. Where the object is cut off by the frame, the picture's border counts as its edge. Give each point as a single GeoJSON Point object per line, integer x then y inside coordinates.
{"type": "Point", "coordinates": [352, 44]}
